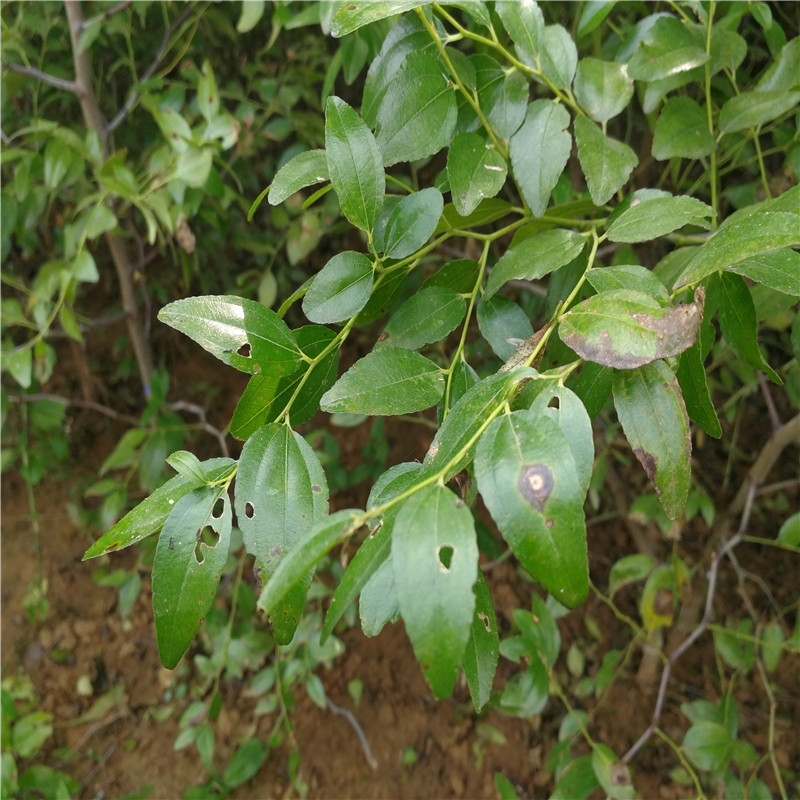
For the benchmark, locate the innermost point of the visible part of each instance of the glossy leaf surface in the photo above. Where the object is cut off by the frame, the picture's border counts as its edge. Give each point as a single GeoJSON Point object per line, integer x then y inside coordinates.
{"type": "Point", "coordinates": [475, 171]}
{"type": "Point", "coordinates": [603, 88]}
{"type": "Point", "coordinates": [425, 317]}
{"type": "Point", "coordinates": [304, 169]}
{"type": "Point", "coordinates": [341, 289]}
{"type": "Point", "coordinates": [412, 222]}
{"type": "Point", "coordinates": [354, 15]}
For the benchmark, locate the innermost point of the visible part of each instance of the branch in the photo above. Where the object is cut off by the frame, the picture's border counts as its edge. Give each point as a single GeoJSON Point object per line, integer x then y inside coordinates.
{"type": "Point", "coordinates": [106, 15]}
{"type": "Point", "coordinates": [133, 96]}
{"type": "Point", "coordinates": [67, 401]}
{"type": "Point", "coordinates": [182, 405]}
{"type": "Point", "coordinates": [44, 77]}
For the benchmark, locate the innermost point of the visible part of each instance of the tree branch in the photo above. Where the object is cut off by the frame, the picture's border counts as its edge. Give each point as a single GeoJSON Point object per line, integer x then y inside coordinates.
{"type": "Point", "coordinates": [44, 77]}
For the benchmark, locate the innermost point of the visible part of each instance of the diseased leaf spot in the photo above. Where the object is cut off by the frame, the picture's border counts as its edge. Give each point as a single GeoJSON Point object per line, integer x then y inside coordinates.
{"type": "Point", "coordinates": [664, 602]}
{"type": "Point", "coordinates": [485, 620]}
{"type": "Point", "coordinates": [535, 483]}
{"type": "Point", "coordinates": [549, 523]}
{"type": "Point", "coordinates": [244, 350]}
{"type": "Point", "coordinates": [384, 336]}
{"type": "Point", "coordinates": [249, 510]}
{"type": "Point", "coordinates": [275, 552]}
{"type": "Point", "coordinates": [648, 461]}
{"type": "Point", "coordinates": [112, 547]}
{"type": "Point", "coordinates": [445, 556]}
{"type": "Point", "coordinates": [316, 488]}
{"type": "Point", "coordinates": [171, 543]}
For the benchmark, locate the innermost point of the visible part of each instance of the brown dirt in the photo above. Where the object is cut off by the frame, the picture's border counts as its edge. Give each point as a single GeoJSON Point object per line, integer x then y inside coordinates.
{"type": "Point", "coordinates": [125, 749]}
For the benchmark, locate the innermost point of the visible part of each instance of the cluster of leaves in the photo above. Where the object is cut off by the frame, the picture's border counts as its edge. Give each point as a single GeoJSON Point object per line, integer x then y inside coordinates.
{"type": "Point", "coordinates": [507, 97]}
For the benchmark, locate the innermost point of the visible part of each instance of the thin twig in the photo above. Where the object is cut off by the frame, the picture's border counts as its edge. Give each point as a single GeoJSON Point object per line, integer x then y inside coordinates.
{"type": "Point", "coordinates": [348, 715]}
{"type": "Point", "coordinates": [68, 401]}
{"type": "Point", "coordinates": [133, 95]}
{"type": "Point", "coordinates": [776, 487]}
{"type": "Point", "coordinates": [773, 412]}
{"type": "Point", "coordinates": [106, 15]}
{"type": "Point", "coordinates": [44, 77]}
{"type": "Point", "coordinates": [193, 408]}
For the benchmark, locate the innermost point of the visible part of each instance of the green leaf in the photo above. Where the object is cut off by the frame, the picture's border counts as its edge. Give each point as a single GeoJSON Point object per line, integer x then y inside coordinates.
{"type": "Point", "coordinates": [682, 131]}
{"type": "Point", "coordinates": [435, 563]}
{"type": "Point", "coordinates": [304, 169]}
{"type": "Point", "coordinates": [187, 465]}
{"type": "Point", "coordinates": [751, 236]}
{"type": "Point", "coordinates": [475, 171]}
{"type": "Point", "coordinates": [186, 569]}
{"type": "Point", "coordinates": [378, 603]}
{"type": "Point", "coordinates": [750, 109]}
{"type": "Point", "coordinates": [418, 113]}
{"type": "Point", "coordinates": [577, 781]}
{"type": "Point", "coordinates": [459, 275]}
{"type": "Point", "coordinates": [354, 164]}
{"type": "Point", "coordinates": [505, 788]}
{"type": "Point", "coordinates": [525, 25]}
{"type": "Point", "coordinates": [239, 332]}
{"type": "Point", "coordinates": [466, 419]}
{"type": "Point", "coordinates": [355, 14]}
{"type": "Point", "coordinates": [629, 569]}
{"type": "Point", "coordinates": [737, 321]}
{"type": "Point", "coordinates": [99, 219]}
{"type": "Point", "coordinates": [628, 276]}
{"type": "Point", "coordinates": [650, 407]}
{"type": "Point", "coordinates": [412, 222]}
{"type": "Point", "coordinates": [603, 88]}
{"type": "Point", "coordinates": [503, 324]}
{"type": "Point", "coordinates": [84, 267]}
{"type": "Point", "coordinates": [194, 165]}
{"type": "Point", "coordinates": [341, 289]}
{"type": "Point", "coordinates": [535, 257]}
{"type": "Point", "coordinates": [281, 493]}
{"type": "Point", "coordinates": [784, 72]}
{"type": "Point", "coordinates": [658, 216]}
{"type": "Point", "coordinates": [502, 97]}
{"type": "Point", "coordinates": [245, 763]}
{"type": "Point", "coordinates": [207, 94]}
{"type": "Point", "coordinates": [669, 47]}
{"type": "Point", "coordinates": [624, 328]}
{"type": "Point", "coordinates": [408, 36]}
{"type": "Point", "coordinates": [612, 776]}
{"type": "Point", "coordinates": [771, 645]}
{"type": "Point", "coordinates": [252, 11]}
{"type": "Point", "coordinates": [571, 416]}
{"type": "Point", "coordinates": [526, 476]}
{"type": "Point", "coordinates": [426, 317]}
{"type": "Point", "coordinates": [539, 152]}
{"type": "Point", "coordinates": [605, 162]}
{"type": "Point", "coordinates": [790, 531]}
{"type": "Point", "coordinates": [692, 379]}
{"type": "Point", "coordinates": [778, 269]}
{"type": "Point", "coordinates": [327, 532]}
{"type": "Point", "coordinates": [20, 365]}
{"type": "Point", "coordinates": [151, 514]}
{"type": "Point", "coordinates": [266, 396]}
{"type": "Point", "coordinates": [387, 382]}
{"type": "Point", "coordinates": [483, 647]}
{"type": "Point", "coordinates": [558, 56]}
{"type": "Point", "coordinates": [708, 745]}
{"type": "Point", "coordinates": [593, 386]}
{"type": "Point", "coordinates": [593, 14]}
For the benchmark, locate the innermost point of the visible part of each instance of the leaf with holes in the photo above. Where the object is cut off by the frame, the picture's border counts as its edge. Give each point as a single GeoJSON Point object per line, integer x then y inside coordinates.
{"type": "Point", "coordinates": [650, 407]}
{"type": "Point", "coordinates": [281, 493]}
{"type": "Point", "coordinates": [418, 113]}
{"type": "Point", "coordinates": [412, 222]}
{"type": "Point", "coordinates": [239, 332]}
{"type": "Point", "coordinates": [151, 514]}
{"type": "Point", "coordinates": [535, 257]}
{"type": "Point", "coordinates": [539, 151]}
{"type": "Point", "coordinates": [626, 329]}
{"type": "Point", "coordinates": [354, 164]}
{"type": "Point", "coordinates": [388, 381]}
{"type": "Point", "coordinates": [475, 171]}
{"type": "Point", "coordinates": [426, 317]}
{"type": "Point", "coordinates": [266, 396]}
{"type": "Point", "coordinates": [304, 169]}
{"type": "Point", "coordinates": [526, 475]}
{"type": "Point", "coordinates": [483, 648]}
{"type": "Point", "coordinates": [187, 568]}
{"type": "Point", "coordinates": [605, 162]}
{"type": "Point", "coordinates": [435, 562]}
{"type": "Point", "coordinates": [341, 289]}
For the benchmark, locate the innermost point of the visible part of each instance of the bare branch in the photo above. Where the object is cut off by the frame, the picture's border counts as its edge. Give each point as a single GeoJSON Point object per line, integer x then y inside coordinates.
{"type": "Point", "coordinates": [106, 15]}
{"type": "Point", "coordinates": [44, 77]}
{"type": "Point", "coordinates": [193, 408]}
{"type": "Point", "coordinates": [348, 715]}
{"type": "Point", "coordinates": [68, 401]}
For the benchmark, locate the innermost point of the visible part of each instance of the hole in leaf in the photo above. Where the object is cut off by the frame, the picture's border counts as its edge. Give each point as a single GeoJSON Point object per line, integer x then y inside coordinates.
{"type": "Point", "coordinates": [219, 508]}
{"type": "Point", "coordinates": [554, 402]}
{"type": "Point", "coordinates": [249, 510]}
{"type": "Point", "coordinates": [207, 537]}
{"type": "Point", "coordinates": [244, 350]}
{"type": "Point", "coordinates": [445, 556]}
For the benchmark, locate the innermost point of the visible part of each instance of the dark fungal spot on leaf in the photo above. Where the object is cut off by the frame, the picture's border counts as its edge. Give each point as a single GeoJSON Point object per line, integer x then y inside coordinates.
{"type": "Point", "coordinates": [664, 602]}
{"type": "Point", "coordinates": [619, 775]}
{"type": "Point", "coordinates": [648, 461]}
{"type": "Point", "coordinates": [316, 488]}
{"type": "Point", "coordinates": [171, 543]}
{"type": "Point", "coordinates": [485, 620]}
{"type": "Point", "coordinates": [535, 484]}
{"type": "Point", "coordinates": [112, 547]}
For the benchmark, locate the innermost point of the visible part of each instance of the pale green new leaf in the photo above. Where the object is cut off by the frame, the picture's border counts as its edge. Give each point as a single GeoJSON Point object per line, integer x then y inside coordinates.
{"type": "Point", "coordinates": [186, 570]}
{"type": "Point", "coordinates": [435, 564]}
{"type": "Point", "coordinates": [475, 171]}
{"type": "Point", "coordinates": [304, 169]}
{"type": "Point", "coordinates": [650, 407]}
{"type": "Point", "coordinates": [386, 382]}
{"type": "Point", "coordinates": [539, 152]}
{"type": "Point", "coordinates": [605, 162]}
{"type": "Point", "coordinates": [354, 164]}
{"type": "Point", "coordinates": [526, 476]}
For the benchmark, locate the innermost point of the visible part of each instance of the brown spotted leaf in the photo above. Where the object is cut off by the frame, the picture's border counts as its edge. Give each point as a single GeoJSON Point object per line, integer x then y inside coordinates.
{"type": "Point", "coordinates": [650, 407]}
{"type": "Point", "coordinates": [526, 475]}
{"type": "Point", "coordinates": [626, 329]}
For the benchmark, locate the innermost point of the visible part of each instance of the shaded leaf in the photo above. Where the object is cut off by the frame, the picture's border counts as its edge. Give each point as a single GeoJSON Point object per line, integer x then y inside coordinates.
{"type": "Point", "coordinates": [606, 163]}
{"type": "Point", "coordinates": [749, 109]}
{"type": "Point", "coordinates": [426, 317]}
{"type": "Point", "coordinates": [603, 88]}
{"type": "Point", "coordinates": [483, 648]}
{"type": "Point", "coordinates": [650, 407]}
{"type": "Point", "coordinates": [341, 289]}
{"type": "Point", "coordinates": [304, 169]}
{"type": "Point", "coordinates": [657, 216]}
{"type": "Point", "coordinates": [435, 564]}
{"type": "Point", "coordinates": [682, 131]}
{"type": "Point", "coordinates": [386, 382]}
{"type": "Point", "coordinates": [692, 378]}
{"type": "Point", "coordinates": [412, 222]}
